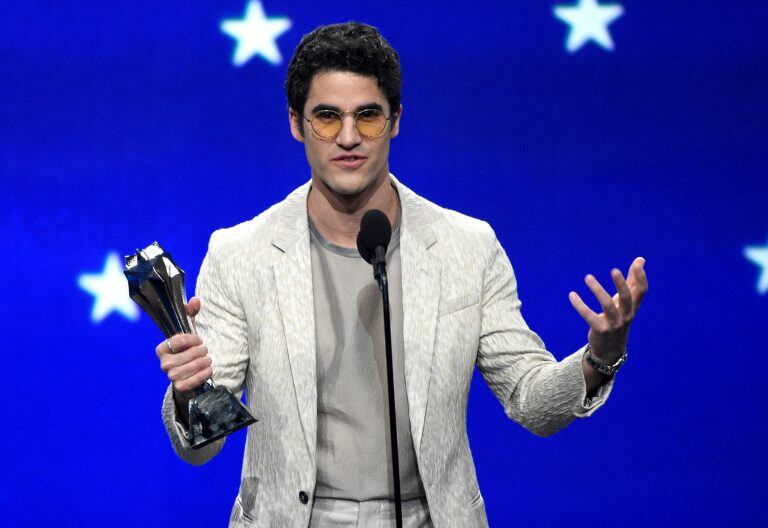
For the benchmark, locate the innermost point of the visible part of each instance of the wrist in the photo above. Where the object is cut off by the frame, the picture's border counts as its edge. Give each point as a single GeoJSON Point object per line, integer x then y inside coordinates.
{"type": "Point", "coordinates": [181, 398]}
{"type": "Point", "coordinates": [603, 366]}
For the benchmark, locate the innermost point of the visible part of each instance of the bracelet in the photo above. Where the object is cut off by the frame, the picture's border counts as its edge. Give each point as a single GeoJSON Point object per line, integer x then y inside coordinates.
{"type": "Point", "coordinates": [602, 368]}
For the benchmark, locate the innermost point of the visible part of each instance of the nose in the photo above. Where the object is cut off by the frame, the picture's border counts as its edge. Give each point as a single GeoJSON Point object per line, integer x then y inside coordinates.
{"type": "Point", "coordinates": [348, 137]}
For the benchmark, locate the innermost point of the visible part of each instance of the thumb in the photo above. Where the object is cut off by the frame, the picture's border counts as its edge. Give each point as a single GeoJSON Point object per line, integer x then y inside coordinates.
{"type": "Point", "coordinates": [192, 307]}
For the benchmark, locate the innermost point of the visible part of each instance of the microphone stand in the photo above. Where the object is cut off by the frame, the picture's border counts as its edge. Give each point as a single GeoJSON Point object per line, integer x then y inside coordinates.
{"type": "Point", "coordinates": [380, 272]}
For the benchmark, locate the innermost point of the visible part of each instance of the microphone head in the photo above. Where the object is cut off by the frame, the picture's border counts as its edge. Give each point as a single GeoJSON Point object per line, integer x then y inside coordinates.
{"type": "Point", "coordinates": [375, 230]}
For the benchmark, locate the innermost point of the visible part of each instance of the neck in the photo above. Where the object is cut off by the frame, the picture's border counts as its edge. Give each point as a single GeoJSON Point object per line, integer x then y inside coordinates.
{"type": "Point", "coordinates": [337, 216]}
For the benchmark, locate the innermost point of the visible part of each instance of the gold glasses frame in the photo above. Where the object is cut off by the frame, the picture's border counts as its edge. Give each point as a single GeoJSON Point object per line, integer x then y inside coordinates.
{"type": "Point", "coordinates": [341, 115]}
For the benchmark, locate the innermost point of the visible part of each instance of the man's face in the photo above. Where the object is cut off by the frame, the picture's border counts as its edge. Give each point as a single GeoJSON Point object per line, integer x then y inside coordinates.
{"type": "Point", "coordinates": [349, 163]}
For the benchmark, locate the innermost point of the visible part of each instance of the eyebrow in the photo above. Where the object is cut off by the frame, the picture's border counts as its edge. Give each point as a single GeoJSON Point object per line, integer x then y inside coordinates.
{"type": "Point", "coordinates": [366, 106]}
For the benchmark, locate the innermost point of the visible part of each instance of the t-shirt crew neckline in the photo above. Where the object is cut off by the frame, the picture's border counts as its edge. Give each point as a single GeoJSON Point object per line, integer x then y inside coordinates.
{"type": "Point", "coordinates": [345, 251]}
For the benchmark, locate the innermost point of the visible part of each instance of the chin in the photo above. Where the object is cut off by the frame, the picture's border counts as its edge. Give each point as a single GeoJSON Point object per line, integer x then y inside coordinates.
{"type": "Point", "coordinates": [349, 184]}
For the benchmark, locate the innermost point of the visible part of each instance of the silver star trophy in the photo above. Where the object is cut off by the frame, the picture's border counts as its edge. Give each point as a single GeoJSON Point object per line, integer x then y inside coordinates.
{"type": "Point", "coordinates": [156, 284]}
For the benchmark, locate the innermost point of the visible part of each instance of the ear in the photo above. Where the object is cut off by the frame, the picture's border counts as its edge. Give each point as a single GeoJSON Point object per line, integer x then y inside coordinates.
{"type": "Point", "coordinates": [396, 122]}
{"type": "Point", "coordinates": [294, 120]}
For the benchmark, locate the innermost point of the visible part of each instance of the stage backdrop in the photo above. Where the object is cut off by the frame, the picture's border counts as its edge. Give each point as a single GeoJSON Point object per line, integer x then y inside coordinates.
{"type": "Point", "coordinates": [586, 133]}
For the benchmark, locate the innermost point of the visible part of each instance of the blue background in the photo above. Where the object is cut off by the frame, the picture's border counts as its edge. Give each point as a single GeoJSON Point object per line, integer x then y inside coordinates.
{"type": "Point", "coordinates": [121, 124]}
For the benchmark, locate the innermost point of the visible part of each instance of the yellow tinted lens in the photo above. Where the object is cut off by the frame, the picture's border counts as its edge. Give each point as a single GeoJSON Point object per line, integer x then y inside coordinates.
{"type": "Point", "coordinates": [326, 123]}
{"type": "Point", "coordinates": [371, 123]}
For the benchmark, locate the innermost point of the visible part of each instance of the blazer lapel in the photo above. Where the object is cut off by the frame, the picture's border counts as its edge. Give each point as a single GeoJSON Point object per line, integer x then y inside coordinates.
{"type": "Point", "coordinates": [293, 282]}
{"type": "Point", "coordinates": [421, 294]}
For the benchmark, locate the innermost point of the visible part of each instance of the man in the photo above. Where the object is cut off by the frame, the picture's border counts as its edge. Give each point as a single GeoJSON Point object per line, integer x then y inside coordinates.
{"type": "Point", "coordinates": [289, 313]}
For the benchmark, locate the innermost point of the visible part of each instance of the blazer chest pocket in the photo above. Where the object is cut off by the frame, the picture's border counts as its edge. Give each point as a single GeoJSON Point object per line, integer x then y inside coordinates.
{"type": "Point", "coordinates": [458, 303]}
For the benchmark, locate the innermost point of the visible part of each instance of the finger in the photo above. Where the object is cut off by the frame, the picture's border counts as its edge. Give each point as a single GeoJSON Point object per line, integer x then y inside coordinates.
{"type": "Point", "coordinates": [191, 383]}
{"type": "Point", "coordinates": [632, 276]}
{"type": "Point", "coordinates": [189, 369]}
{"type": "Point", "coordinates": [170, 361]}
{"type": "Point", "coordinates": [181, 342]}
{"type": "Point", "coordinates": [584, 311]}
{"type": "Point", "coordinates": [639, 280]}
{"type": "Point", "coordinates": [177, 343]}
{"type": "Point", "coordinates": [615, 300]}
{"type": "Point", "coordinates": [624, 293]}
{"type": "Point", "coordinates": [611, 312]}
{"type": "Point", "coordinates": [192, 307]}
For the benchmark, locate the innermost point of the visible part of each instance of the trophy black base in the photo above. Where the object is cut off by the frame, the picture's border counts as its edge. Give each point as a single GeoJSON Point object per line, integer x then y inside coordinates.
{"type": "Point", "coordinates": [214, 413]}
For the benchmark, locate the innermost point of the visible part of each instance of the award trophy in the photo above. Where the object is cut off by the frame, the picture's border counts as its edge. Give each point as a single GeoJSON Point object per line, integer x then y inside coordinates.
{"type": "Point", "coordinates": [156, 284]}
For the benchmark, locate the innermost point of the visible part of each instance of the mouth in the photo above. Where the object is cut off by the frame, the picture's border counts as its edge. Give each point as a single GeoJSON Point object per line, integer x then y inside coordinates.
{"type": "Point", "coordinates": [349, 157]}
{"type": "Point", "coordinates": [349, 161]}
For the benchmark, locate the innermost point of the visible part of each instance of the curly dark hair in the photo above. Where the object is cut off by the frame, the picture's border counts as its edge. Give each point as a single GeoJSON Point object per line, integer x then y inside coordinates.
{"type": "Point", "coordinates": [350, 47]}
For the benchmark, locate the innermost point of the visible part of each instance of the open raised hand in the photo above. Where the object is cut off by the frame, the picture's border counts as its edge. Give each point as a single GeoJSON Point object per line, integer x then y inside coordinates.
{"type": "Point", "coordinates": [608, 331]}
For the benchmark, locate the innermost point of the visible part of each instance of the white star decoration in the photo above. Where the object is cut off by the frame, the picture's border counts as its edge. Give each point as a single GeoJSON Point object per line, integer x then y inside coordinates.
{"type": "Point", "coordinates": [589, 21]}
{"type": "Point", "coordinates": [759, 255]}
{"type": "Point", "coordinates": [256, 34]}
{"type": "Point", "coordinates": [110, 291]}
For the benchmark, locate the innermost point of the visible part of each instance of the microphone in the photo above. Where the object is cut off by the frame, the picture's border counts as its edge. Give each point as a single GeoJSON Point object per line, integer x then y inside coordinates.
{"type": "Point", "coordinates": [373, 239]}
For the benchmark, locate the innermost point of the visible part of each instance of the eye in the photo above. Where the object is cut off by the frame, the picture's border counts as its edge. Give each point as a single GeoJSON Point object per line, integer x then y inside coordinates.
{"type": "Point", "coordinates": [326, 116]}
{"type": "Point", "coordinates": [369, 114]}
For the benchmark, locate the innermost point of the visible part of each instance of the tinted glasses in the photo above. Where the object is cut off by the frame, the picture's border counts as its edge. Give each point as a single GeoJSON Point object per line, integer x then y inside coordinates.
{"type": "Point", "coordinates": [370, 122]}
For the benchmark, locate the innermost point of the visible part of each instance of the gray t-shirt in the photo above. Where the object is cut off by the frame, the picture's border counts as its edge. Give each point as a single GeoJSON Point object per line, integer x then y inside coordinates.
{"type": "Point", "coordinates": [353, 451]}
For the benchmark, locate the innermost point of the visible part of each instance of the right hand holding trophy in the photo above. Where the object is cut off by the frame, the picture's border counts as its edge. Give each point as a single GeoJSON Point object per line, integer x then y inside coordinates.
{"type": "Point", "coordinates": [184, 359]}
{"type": "Point", "coordinates": [156, 284]}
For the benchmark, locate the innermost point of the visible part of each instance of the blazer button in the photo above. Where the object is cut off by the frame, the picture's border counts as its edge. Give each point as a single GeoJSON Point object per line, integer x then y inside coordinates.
{"type": "Point", "coordinates": [303, 497]}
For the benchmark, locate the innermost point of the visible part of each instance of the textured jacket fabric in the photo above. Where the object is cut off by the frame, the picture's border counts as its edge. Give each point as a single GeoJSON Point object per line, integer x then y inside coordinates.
{"type": "Point", "coordinates": [460, 310]}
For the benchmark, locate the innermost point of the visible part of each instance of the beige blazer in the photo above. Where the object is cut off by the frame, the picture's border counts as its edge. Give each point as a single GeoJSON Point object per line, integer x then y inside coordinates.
{"type": "Point", "coordinates": [460, 310]}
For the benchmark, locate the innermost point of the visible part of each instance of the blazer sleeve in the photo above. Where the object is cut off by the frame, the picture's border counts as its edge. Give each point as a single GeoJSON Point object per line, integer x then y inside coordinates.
{"type": "Point", "coordinates": [537, 391]}
{"type": "Point", "coordinates": [222, 326]}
